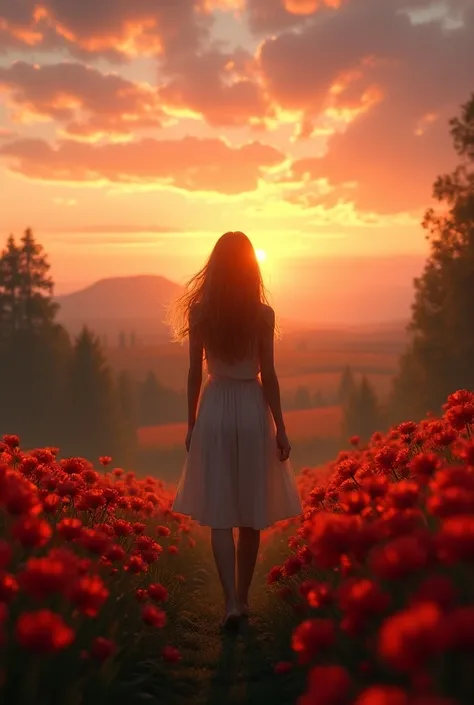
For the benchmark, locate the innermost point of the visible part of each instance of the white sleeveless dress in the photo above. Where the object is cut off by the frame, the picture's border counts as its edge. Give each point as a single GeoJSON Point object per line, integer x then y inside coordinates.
{"type": "Point", "coordinates": [233, 475]}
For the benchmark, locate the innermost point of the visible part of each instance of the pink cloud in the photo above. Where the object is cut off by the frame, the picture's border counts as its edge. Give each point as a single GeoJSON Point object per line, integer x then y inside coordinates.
{"type": "Point", "coordinates": [377, 77]}
{"type": "Point", "coordinates": [222, 87]}
{"type": "Point", "coordinates": [190, 163]}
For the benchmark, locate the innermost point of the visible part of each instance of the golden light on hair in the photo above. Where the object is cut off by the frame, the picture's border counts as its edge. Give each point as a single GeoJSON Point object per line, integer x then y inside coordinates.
{"type": "Point", "coordinates": [261, 255]}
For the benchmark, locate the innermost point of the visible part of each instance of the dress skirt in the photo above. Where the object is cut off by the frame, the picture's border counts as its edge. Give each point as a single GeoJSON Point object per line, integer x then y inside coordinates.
{"type": "Point", "coordinates": [233, 476]}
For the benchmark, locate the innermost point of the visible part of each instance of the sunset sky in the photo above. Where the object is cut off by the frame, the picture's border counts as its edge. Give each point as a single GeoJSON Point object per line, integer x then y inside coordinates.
{"type": "Point", "coordinates": [132, 134]}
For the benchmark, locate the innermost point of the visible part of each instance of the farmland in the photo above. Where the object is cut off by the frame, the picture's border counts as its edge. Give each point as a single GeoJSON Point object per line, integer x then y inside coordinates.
{"type": "Point", "coordinates": [302, 425]}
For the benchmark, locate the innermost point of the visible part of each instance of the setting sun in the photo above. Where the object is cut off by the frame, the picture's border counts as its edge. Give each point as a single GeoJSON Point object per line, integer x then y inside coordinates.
{"type": "Point", "coordinates": [261, 255]}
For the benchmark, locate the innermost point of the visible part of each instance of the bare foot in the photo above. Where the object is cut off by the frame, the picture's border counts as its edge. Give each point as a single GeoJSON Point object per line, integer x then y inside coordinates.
{"type": "Point", "coordinates": [231, 620]}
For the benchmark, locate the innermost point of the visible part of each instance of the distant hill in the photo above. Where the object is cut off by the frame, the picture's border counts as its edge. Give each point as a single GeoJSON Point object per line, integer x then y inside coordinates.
{"type": "Point", "coordinates": [109, 306]}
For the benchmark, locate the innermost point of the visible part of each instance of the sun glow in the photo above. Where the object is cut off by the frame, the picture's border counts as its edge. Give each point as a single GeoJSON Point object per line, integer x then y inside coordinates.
{"type": "Point", "coordinates": [261, 255]}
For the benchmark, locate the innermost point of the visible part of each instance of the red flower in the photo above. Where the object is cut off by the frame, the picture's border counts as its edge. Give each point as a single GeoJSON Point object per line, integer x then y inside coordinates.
{"type": "Point", "coordinates": [102, 649]}
{"type": "Point", "coordinates": [404, 494]}
{"type": "Point", "coordinates": [43, 576]}
{"type": "Point", "coordinates": [89, 594]}
{"type": "Point", "coordinates": [69, 528]}
{"type": "Point", "coordinates": [455, 540]}
{"type": "Point", "coordinates": [94, 541]}
{"type": "Point", "coordinates": [327, 685]}
{"type": "Point", "coordinates": [462, 396]}
{"type": "Point", "coordinates": [362, 598]}
{"type": "Point", "coordinates": [115, 553]}
{"type": "Point", "coordinates": [384, 695]}
{"type": "Point", "coordinates": [122, 527]}
{"type": "Point", "coordinates": [316, 594]}
{"type": "Point", "coordinates": [8, 587]}
{"type": "Point", "coordinates": [105, 460]}
{"type": "Point", "coordinates": [283, 667]}
{"type": "Point", "coordinates": [332, 535]}
{"type": "Point", "coordinates": [313, 636]}
{"type": "Point", "coordinates": [73, 466]}
{"type": "Point", "coordinates": [32, 532]}
{"type": "Point", "coordinates": [136, 564]}
{"type": "Point", "coordinates": [11, 441]}
{"type": "Point", "coordinates": [93, 499]}
{"type": "Point", "coordinates": [400, 557]}
{"type": "Point", "coordinates": [409, 638]}
{"type": "Point", "coordinates": [43, 631]}
{"type": "Point", "coordinates": [51, 503]}
{"type": "Point", "coordinates": [424, 465]}
{"type": "Point", "coordinates": [171, 654]}
{"type": "Point", "coordinates": [354, 502]}
{"type": "Point", "coordinates": [292, 565]}
{"type": "Point", "coordinates": [163, 531]}
{"type": "Point", "coordinates": [153, 616]}
{"type": "Point", "coordinates": [157, 592]}
{"type": "Point", "coordinates": [461, 415]}
{"type": "Point", "coordinates": [18, 495]}
{"type": "Point", "coordinates": [386, 458]}
{"type": "Point", "coordinates": [275, 574]}
{"type": "Point", "coordinates": [407, 428]}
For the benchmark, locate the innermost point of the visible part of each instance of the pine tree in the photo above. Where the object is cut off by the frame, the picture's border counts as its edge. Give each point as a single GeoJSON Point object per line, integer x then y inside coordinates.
{"type": "Point", "coordinates": [26, 288]}
{"type": "Point", "coordinates": [149, 400]}
{"type": "Point", "coordinates": [440, 354]}
{"type": "Point", "coordinates": [362, 416]}
{"type": "Point", "coordinates": [34, 350]}
{"type": "Point", "coordinates": [94, 415]}
{"type": "Point", "coordinates": [128, 414]}
{"type": "Point", "coordinates": [346, 385]}
{"type": "Point", "coordinates": [302, 398]}
{"type": "Point", "coordinates": [318, 399]}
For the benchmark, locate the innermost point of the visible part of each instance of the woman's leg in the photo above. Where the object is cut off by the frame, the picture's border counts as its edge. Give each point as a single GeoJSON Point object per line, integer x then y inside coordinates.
{"type": "Point", "coordinates": [247, 551]}
{"type": "Point", "coordinates": [223, 548]}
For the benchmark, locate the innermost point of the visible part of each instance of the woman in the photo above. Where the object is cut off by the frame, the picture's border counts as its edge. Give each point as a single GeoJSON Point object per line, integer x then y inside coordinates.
{"type": "Point", "coordinates": [237, 472]}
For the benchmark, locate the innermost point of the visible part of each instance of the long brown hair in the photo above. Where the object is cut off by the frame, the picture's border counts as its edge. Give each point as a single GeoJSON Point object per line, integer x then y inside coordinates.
{"type": "Point", "coordinates": [223, 300]}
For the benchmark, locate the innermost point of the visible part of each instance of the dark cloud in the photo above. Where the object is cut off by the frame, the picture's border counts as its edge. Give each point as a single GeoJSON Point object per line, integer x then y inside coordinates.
{"type": "Point", "coordinates": [190, 163]}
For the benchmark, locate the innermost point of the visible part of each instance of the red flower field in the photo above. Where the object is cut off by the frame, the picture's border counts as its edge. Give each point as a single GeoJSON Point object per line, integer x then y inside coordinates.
{"type": "Point", "coordinates": [376, 590]}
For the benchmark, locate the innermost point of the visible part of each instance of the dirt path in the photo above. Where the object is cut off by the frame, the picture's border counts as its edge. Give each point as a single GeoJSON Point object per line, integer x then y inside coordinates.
{"type": "Point", "coordinates": [218, 668]}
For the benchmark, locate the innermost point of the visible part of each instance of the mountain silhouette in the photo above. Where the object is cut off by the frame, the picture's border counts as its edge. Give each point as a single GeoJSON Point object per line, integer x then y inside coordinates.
{"type": "Point", "coordinates": [121, 304]}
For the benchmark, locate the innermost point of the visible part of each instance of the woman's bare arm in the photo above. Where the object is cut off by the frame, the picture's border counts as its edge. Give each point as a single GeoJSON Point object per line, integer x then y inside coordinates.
{"type": "Point", "coordinates": [271, 387]}
{"type": "Point", "coordinates": [195, 368]}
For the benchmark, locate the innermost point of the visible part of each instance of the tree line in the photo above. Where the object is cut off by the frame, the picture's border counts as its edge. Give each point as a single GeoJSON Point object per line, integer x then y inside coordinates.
{"type": "Point", "coordinates": [61, 391]}
{"type": "Point", "coordinates": [440, 354]}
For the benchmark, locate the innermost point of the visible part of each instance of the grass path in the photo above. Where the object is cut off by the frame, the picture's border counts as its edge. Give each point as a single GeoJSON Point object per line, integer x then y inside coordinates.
{"type": "Point", "coordinates": [219, 668]}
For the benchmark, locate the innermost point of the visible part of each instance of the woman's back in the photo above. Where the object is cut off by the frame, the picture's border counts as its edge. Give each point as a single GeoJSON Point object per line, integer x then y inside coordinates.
{"type": "Point", "coordinates": [247, 368]}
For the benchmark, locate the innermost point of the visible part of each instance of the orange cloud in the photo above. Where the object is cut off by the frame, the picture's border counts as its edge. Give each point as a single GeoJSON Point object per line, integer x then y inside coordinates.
{"type": "Point", "coordinates": [86, 101]}
{"type": "Point", "coordinates": [308, 7]}
{"type": "Point", "coordinates": [112, 28]}
{"type": "Point", "coordinates": [190, 163]}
